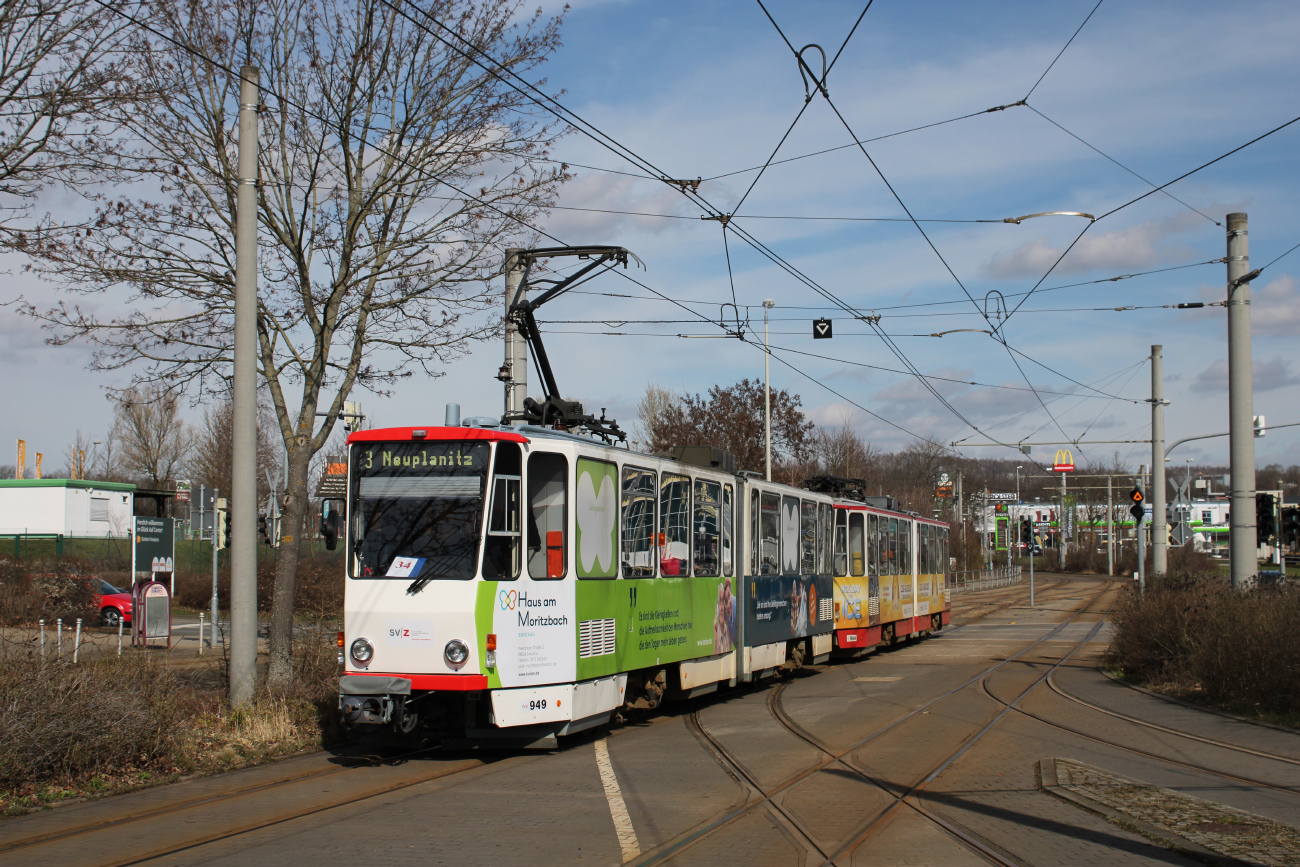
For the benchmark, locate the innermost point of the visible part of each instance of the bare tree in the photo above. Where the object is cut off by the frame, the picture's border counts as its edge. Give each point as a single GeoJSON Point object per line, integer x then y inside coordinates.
{"type": "Point", "coordinates": [58, 69]}
{"type": "Point", "coordinates": [394, 173]}
{"type": "Point", "coordinates": [841, 452]}
{"type": "Point", "coordinates": [213, 450]}
{"type": "Point", "coordinates": [153, 439]}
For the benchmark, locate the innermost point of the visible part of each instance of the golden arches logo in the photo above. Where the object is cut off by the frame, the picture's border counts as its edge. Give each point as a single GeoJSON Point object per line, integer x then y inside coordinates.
{"type": "Point", "coordinates": [1064, 462]}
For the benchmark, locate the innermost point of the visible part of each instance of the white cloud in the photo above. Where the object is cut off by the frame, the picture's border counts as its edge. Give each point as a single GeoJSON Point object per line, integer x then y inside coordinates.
{"type": "Point", "coordinates": [1268, 376]}
{"type": "Point", "coordinates": [1135, 248]}
{"type": "Point", "coordinates": [1275, 309]}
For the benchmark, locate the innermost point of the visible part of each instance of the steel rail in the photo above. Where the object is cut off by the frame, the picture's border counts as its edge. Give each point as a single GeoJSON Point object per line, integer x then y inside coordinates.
{"type": "Point", "coordinates": [917, 788]}
{"type": "Point", "coordinates": [39, 840]}
{"type": "Point", "coordinates": [1238, 748]}
{"type": "Point", "coordinates": [672, 847]}
{"type": "Point", "coordinates": [1289, 790]}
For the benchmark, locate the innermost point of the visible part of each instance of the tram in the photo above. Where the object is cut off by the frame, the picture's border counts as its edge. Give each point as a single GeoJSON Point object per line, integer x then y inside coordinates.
{"type": "Point", "coordinates": [512, 584]}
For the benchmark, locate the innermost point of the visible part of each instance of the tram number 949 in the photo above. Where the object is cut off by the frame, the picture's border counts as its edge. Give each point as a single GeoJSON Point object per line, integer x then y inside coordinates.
{"type": "Point", "coordinates": [535, 704]}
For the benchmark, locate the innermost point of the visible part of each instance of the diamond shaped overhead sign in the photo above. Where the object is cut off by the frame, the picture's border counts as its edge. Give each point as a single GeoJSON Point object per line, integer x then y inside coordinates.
{"type": "Point", "coordinates": [822, 329]}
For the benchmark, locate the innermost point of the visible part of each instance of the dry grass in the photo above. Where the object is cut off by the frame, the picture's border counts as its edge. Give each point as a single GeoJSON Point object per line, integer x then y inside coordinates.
{"type": "Point", "coordinates": [109, 724]}
{"type": "Point", "coordinates": [1195, 637]}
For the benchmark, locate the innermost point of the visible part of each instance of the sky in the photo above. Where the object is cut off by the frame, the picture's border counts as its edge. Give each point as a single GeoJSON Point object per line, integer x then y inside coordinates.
{"type": "Point", "coordinates": [707, 90]}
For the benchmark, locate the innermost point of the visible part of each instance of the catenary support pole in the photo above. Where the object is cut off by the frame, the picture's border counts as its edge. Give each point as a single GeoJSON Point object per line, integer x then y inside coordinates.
{"type": "Point", "coordinates": [767, 395]}
{"type": "Point", "coordinates": [515, 372]}
{"type": "Point", "coordinates": [243, 464]}
{"type": "Point", "coordinates": [1159, 531]}
{"type": "Point", "coordinates": [1110, 527]}
{"type": "Point", "coordinates": [1060, 527]}
{"type": "Point", "coordinates": [1139, 527]}
{"type": "Point", "coordinates": [1242, 543]}
{"type": "Point", "coordinates": [213, 534]}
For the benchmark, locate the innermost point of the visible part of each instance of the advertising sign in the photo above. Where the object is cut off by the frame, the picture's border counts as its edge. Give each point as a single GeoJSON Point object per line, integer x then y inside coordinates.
{"type": "Point", "coordinates": [1064, 462]}
{"type": "Point", "coordinates": [153, 548]}
{"type": "Point", "coordinates": [20, 468]}
{"type": "Point", "coordinates": [781, 607]}
{"type": "Point", "coordinates": [534, 625]}
{"type": "Point", "coordinates": [183, 488]}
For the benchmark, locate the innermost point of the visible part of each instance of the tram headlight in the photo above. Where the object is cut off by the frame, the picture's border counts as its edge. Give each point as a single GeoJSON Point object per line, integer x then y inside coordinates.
{"type": "Point", "coordinates": [455, 653]}
{"type": "Point", "coordinates": [362, 651]}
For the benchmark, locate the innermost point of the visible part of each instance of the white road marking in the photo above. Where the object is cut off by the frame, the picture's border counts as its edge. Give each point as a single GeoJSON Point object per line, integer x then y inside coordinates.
{"type": "Point", "coordinates": [617, 809]}
{"type": "Point", "coordinates": [876, 679]}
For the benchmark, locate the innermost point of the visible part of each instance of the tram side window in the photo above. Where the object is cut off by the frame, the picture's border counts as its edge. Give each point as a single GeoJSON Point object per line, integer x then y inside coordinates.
{"type": "Point", "coordinates": [674, 525]}
{"type": "Point", "coordinates": [728, 527]}
{"type": "Point", "coordinates": [922, 550]}
{"type": "Point", "coordinates": [841, 564]}
{"type": "Point", "coordinates": [807, 537]}
{"type": "Point", "coordinates": [638, 507]}
{"type": "Point", "coordinates": [904, 547]}
{"type": "Point", "coordinates": [501, 554]}
{"type": "Point", "coordinates": [891, 551]}
{"type": "Point", "coordinates": [769, 534]}
{"type": "Point", "coordinates": [932, 538]}
{"type": "Point", "coordinates": [946, 562]}
{"type": "Point", "coordinates": [547, 515]}
{"type": "Point", "coordinates": [873, 545]}
{"type": "Point", "coordinates": [857, 544]}
{"type": "Point", "coordinates": [755, 535]}
{"type": "Point", "coordinates": [825, 528]}
{"type": "Point", "coordinates": [708, 529]}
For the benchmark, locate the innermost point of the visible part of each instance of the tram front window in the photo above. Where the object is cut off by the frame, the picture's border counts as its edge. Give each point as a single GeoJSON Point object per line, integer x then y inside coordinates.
{"type": "Point", "coordinates": [417, 509]}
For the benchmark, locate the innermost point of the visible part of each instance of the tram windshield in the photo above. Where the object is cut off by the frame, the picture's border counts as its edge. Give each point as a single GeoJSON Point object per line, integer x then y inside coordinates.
{"type": "Point", "coordinates": [417, 509]}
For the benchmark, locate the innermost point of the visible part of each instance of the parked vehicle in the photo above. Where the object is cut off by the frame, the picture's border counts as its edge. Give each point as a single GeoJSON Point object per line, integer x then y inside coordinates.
{"type": "Point", "coordinates": [114, 605]}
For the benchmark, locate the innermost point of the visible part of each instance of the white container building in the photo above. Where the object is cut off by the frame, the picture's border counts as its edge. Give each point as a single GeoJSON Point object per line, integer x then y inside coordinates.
{"type": "Point", "coordinates": [67, 507]}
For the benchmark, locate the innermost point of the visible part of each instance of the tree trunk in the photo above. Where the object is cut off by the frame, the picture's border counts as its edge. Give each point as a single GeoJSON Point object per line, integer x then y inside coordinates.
{"type": "Point", "coordinates": [294, 515]}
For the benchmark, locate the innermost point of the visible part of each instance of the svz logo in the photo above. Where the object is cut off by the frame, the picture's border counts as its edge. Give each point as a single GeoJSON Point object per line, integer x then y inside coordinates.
{"type": "Point", "coordinates": [400, 633]}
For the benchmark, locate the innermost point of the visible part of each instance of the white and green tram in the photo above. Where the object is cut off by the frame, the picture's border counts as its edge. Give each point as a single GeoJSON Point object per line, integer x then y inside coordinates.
{"type": "Point", "coordinates": [512, 585]}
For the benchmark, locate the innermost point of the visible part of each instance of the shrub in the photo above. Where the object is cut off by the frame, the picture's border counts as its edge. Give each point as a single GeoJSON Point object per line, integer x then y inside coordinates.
{"type": "Point", "coordinates": [64, 722]}
{"type": "Point", "coordinates": [1194, 635]}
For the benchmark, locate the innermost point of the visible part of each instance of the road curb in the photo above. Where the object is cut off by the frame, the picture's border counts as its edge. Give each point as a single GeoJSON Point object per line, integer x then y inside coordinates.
{"type": "Point", "coordinates": [1049, 783]}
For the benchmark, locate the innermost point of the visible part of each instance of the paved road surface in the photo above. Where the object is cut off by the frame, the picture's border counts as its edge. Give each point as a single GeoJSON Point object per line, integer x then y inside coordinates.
{"type": "Point", "coordinates": [925, 753]}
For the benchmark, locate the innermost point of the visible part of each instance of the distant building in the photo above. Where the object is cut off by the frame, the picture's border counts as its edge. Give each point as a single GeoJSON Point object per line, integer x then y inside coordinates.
{"type": "Point", "coordinates": [67, 507]}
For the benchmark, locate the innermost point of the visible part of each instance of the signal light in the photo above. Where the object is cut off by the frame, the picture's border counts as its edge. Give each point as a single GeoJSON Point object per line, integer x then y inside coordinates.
{"type": "Point", "coordinates": [1138, 511]}
{"type": "Point", "coordinates": [340, 638]}
{"type": "Point", "coordinates": [491, 641]}
{"type": "Point", "coordinates": [1136, 495]}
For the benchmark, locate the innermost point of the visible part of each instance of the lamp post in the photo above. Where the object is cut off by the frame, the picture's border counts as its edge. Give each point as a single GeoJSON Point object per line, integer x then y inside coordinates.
{"type": "Point", "coordinates": [768, 304]}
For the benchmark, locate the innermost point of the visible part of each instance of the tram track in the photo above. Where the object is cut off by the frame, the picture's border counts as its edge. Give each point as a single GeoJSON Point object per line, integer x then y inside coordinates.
{"type": "Point", "coordinates": [28, 847]}
{"type": "Point", "coordinates": [1059, 690]}
{"type": "Point", "coordinates": [1192, 766]}
{"type": "Point", "coordinates": [832, 757]}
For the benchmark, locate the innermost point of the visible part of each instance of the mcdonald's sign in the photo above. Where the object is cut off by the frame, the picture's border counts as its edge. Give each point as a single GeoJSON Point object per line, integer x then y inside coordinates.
{"type": "Point", "coordinates": [1064, 461]}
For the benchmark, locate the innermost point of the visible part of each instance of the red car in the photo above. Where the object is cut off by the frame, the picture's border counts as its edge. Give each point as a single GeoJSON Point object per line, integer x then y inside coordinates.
{"type": "Point", "coordinates": [114, 604]}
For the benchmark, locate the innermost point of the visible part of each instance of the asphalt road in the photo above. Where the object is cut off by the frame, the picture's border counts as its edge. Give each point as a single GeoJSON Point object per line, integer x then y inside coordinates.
{"type": "Point", "coordinates": [931, 752]}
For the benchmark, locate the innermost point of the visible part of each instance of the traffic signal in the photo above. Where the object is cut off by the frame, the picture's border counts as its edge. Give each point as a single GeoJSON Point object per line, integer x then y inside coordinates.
{"type": "Point", "coordinates": [222, 535]}
{"type": "Point", "coordinates": [1136, 495]}
{"type": "Point", "coordinates": [1026, 531]}
{"type": "Point", "coordinates": [1138, 511]}
{"type": "Point", "coordinates": [1265, 517]}
{"type": "Point", "coordinates": [1291, 525]}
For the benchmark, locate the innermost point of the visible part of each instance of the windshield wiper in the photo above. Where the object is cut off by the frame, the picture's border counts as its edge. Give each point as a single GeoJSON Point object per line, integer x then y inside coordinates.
{"type": "Point", "coordinates": [417, 585]}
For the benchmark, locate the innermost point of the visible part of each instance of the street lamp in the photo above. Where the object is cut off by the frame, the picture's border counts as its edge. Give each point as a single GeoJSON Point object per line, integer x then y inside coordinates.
{"type": "Point", "coordinates": [768, 304]}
